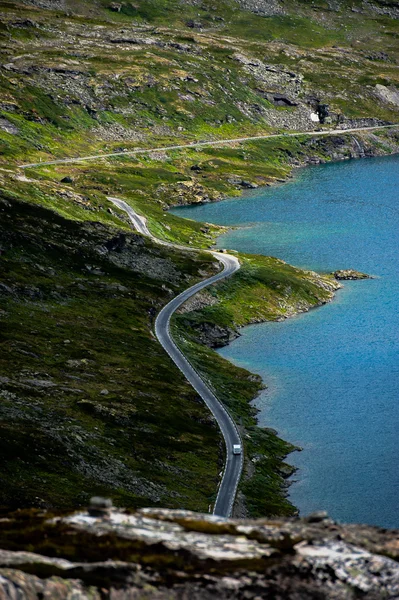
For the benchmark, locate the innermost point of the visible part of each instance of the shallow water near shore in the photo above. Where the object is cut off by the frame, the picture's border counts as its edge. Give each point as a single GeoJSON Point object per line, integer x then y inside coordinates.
{"type": "Point", "coordinates": [332, 373]}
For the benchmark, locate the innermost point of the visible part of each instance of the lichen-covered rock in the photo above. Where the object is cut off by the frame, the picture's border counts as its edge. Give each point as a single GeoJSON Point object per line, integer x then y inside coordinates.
{"type": "Point", "coordinates": [164, 554]}
{"type": "Point", "coordinates": [266, 8]}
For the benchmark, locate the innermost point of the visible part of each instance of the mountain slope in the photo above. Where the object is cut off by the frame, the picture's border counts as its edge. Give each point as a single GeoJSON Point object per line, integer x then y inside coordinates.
{"type": "Point", "coordinates": [89, 402]}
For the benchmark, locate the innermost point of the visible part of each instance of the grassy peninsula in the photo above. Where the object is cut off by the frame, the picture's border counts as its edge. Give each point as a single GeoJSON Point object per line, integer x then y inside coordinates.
{"type": "Point", "coordinates": [89, 402]}
{"type": "Point", "coordinates": [264, 289]}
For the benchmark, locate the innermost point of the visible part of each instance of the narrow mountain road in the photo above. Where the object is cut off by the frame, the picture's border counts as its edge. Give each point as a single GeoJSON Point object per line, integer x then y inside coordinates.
{"type": "Point", "coordinates": [234, 463]}
{"type": "Point", "coordinates": [139, 223]}
{"type": "Point", "coordinates": [200, 144]}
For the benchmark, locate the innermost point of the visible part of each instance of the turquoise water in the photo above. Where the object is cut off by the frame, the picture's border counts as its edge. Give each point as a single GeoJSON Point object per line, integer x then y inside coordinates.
{"type": "Point", "coordinates": [332, 373]}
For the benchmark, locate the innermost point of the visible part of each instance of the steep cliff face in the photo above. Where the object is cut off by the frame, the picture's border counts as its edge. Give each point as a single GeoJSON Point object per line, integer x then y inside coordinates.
{"type": "Point", "coordinates": [160, 554]}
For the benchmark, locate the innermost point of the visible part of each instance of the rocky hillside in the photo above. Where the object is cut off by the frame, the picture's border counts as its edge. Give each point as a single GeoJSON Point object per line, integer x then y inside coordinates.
{"type": "Point", "coordinates": [84, 386]}
{"type": "Point", "coordinates": [89, 403]}
{"type": "Point", "coordinates": [82, 78]}
{"type": "Point", "coordinates": [95, 75]}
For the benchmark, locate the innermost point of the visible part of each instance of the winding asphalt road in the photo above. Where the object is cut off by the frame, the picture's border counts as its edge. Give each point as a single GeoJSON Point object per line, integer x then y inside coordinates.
{"type": "Point", "coordinates": [234, 463]}
{"type": "Point", "coordinates": [138, 222]}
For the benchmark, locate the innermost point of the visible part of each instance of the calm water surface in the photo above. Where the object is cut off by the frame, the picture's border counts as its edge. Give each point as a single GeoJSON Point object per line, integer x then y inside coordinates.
{"type": "Point", "coordinates": [333, 373]}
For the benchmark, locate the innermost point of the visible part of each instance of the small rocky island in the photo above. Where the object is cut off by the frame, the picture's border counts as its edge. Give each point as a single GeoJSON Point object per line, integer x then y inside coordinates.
{"type": "Point", "coordinates": [348, 274]}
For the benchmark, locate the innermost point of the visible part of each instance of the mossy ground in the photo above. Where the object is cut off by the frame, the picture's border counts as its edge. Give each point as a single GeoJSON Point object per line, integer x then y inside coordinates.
{"type": "Point", "coordinates": [69, 84]}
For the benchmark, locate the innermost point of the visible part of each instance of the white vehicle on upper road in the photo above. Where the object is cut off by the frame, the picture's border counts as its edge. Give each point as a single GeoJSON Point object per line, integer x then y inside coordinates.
{"type": "Point", "coordinates": [237, 449]}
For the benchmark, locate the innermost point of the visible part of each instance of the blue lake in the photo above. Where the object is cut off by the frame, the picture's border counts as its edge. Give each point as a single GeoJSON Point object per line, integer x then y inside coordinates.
{"type": "Point", "coordinates": [333, 373]}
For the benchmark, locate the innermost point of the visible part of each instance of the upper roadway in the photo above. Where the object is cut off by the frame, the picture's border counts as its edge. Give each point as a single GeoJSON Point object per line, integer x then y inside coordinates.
{"type": "Point", "coordinates": [234, 463]}
{"type": "Point", "coordinates": [206, 143]}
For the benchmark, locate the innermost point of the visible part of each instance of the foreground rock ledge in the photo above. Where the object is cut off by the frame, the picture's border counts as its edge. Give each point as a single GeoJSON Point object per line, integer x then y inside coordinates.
{"type": "Point", "coordinates": [166, 554]}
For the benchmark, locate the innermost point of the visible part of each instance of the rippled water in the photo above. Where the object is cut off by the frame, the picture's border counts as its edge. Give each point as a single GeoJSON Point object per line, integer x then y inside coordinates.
{"type": "Point", "coordinates": [333, 373]}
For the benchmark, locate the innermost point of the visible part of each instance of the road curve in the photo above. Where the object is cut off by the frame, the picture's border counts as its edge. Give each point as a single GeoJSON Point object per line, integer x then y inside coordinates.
{"type": "Point", "coordinates": [138, 222]}
{"type": "Point", "coordinates": [234, 463]}
{"type": "Point", "coordinates": [209, 143]}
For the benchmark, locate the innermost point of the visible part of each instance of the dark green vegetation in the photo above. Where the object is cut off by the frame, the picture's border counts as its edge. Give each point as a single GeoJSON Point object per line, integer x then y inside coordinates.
{"type": "Point", "coordinates": [89, 402]}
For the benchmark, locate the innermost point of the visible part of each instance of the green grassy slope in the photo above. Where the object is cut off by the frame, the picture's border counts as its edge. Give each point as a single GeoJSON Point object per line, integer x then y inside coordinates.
{"type": "Point", "coordinates": [90, 403]}
{"type": "Point", "coordinates": [91, 79]}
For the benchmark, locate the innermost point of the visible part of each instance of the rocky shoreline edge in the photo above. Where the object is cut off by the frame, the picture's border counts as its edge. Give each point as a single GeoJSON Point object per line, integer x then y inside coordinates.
{"type": "Point", "coordinates": [313, 151]}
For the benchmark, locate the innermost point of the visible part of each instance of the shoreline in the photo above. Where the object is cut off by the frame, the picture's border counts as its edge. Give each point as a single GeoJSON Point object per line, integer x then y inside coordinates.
{"type": "Point", "coordinates": [364, 148]}
{"type": "Point", "coordinates": [239, 506]}
{"type": "Point", "coordinates": [276, 432]}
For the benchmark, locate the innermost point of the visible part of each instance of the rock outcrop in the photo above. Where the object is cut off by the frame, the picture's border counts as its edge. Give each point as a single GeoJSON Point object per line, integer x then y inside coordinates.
{"type": "Point", "coordinates": [164, 554]}
{"type": "Point", "coordinates": [350, 274]}
{"type": "Point", "coordinates": [387, 94]}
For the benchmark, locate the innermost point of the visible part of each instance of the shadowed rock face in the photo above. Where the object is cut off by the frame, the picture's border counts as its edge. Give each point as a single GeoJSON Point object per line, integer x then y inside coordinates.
{"type": "Point", "coordinates": [164, 554]}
